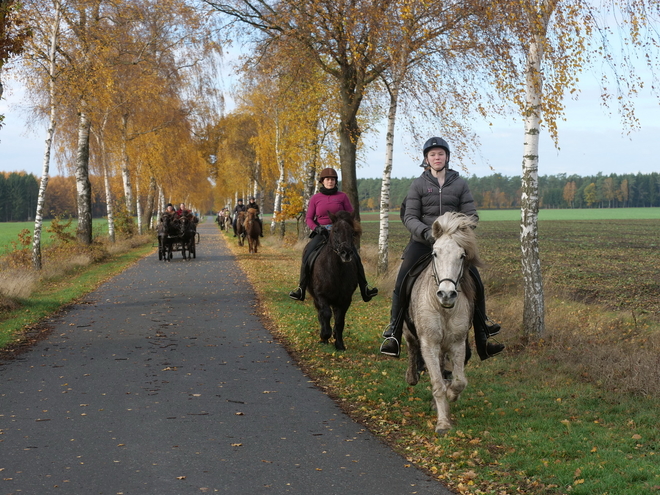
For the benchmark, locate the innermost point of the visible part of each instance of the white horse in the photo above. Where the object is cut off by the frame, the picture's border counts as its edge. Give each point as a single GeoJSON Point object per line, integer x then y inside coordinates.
{"type": "Point", "coordinates": [440, 312]}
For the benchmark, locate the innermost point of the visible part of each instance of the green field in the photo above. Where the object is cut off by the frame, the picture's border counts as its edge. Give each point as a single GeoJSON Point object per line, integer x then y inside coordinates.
{"type": "Point", "coordinates": [574, 214]}
{"type": "Point", "coordinates": [9, 232]}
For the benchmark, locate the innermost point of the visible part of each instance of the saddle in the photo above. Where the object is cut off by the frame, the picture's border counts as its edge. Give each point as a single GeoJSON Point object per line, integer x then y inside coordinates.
{"type": "Point", "coordinates": [312, 254]}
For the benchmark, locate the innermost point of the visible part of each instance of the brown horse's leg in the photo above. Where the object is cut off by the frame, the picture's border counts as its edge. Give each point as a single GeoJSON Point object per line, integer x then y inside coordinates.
{"type": "Point", "coordinates": [338, 331]}
{"type": "Point", "coordinates": [324, 315]}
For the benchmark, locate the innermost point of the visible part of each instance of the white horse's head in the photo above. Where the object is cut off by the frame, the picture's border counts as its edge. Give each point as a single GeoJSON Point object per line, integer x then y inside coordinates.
{"type": "Point", "coordinates": [455, 245]}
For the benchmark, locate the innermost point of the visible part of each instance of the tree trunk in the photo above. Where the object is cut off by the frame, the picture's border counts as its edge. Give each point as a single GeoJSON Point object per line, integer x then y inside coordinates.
{"type": "Point", "coordinates": [533, 309]}
{"type": "Point", "coordinates": [83, 185]}
{"type": "Point", "coordinates": [138, 204]}
{"type": "Point", "coordinates": [108, 201]}
{"type": "Point", "coordinates": [125, 174]}
{"type": "Point", "coordinates": [38, 217]}
{"type": "Point", "coordinates": [149, 207]}
{"type": "Point", "coordinates": [349, 135]}
{"type": "Point", "coordinates": [384, 232]}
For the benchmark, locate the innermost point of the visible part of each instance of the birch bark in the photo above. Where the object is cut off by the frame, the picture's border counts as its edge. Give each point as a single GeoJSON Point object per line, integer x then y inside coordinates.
{"type": "Point", "coordinates": [83, 185]}
{"type": "Point", "coordinates": [534, 306]}
{"type": "Point", "coordinates": [38, 217]}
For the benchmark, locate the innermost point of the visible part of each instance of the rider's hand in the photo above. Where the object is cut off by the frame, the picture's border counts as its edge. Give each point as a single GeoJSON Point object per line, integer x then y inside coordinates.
{"type": "Point", "coordinates": [428, 235]}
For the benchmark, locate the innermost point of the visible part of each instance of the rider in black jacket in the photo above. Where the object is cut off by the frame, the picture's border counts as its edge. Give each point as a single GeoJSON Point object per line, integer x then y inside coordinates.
{"type": "Point", "coordinates": [437, 191]}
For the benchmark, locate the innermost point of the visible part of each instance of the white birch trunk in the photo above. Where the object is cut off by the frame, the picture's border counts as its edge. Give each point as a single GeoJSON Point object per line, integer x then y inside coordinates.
{"type": "Point", "coordinates": [308, 191]}
{"type": "Point", "coordinates": [279, 191]}
{"type": "Point", "coordinates": [384, 232]}
{"type": "Point", "coordinates": [138, 205]}
{"type": "Point", "coordinates": [38, 217]}
{"type": "Point", "coordinates": [125, 174]}
{"type": "Point", "coordinates": [108, 199]}
{"type": "Point", "coordinates": [533, 309]}
{"type": "Point", "coordinates": [83, 185]}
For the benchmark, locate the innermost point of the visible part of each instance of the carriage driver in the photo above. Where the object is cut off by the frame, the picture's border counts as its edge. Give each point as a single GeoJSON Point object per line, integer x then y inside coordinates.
{"type": "Point", "coordinates": [237, 209]}
{"type": "Point", "coordinates": [437, 191]}
{"type": "Point", "coordinates": [328, 200]}
{"type": "Point", "coordinates": [253, 204]}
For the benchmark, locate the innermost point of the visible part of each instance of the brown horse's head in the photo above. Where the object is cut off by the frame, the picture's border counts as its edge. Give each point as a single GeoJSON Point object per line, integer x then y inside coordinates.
{"type": "Point", "coordinates": [343, 234]}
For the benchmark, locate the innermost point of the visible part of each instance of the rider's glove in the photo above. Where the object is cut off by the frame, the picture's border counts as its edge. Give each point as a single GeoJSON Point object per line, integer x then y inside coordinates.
{"type": "Point", "coordinates": [428, 235]}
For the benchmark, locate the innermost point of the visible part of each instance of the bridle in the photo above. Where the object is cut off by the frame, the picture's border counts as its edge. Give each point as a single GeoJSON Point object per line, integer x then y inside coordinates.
{"type": "Point", "coordinates": [455, 282]}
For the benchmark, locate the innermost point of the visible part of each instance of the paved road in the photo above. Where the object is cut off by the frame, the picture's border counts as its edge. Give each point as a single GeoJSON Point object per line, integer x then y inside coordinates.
{"type": "Point", "coordinates": [164, 381]}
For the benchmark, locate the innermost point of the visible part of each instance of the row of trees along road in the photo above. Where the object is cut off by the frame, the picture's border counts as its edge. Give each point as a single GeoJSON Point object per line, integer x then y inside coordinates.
{"type": "Point", "coordinates": [442, 63]}
{"type": "Point", "coordinates": [124, 86]}
{"type": "Point", "coordinates": [314, 76]}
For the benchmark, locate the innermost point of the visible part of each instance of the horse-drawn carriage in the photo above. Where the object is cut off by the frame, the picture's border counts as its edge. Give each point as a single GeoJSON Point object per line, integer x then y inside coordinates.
{"type": "Point", "coordinates": [177, 233]}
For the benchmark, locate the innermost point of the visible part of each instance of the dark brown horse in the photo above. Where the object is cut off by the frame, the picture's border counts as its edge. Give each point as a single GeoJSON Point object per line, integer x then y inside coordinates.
{"type": "Point", "coordinates": [252, 230]}
{"type": "Point", "coordinates": [168, 231]}
{"type": "Point", "coordinates": [334, 277]}
{"type": "Point", "coordinates": [240, 227]}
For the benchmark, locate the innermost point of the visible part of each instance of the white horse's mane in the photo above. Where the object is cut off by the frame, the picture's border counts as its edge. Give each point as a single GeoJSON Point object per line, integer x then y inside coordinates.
{"type": "Point", "coordinates": [461, 228]}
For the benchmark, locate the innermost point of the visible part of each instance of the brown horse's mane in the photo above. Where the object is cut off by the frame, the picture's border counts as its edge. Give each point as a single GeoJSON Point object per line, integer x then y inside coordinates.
{"type": "Point", "coordinates": [350, 218]}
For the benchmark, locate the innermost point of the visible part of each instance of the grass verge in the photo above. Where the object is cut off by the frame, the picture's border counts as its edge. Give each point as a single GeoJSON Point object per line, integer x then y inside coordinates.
{"type": "Point", "coordinates": [529, 421]}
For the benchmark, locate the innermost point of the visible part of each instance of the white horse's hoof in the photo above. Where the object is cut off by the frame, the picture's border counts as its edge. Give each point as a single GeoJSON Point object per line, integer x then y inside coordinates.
{"type": "Point", "coordinates": [441, 432]}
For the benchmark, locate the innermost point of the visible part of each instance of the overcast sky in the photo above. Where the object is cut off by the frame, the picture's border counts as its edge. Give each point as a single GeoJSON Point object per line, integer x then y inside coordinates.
{"type": "Point", "coordinates": [590, 142]}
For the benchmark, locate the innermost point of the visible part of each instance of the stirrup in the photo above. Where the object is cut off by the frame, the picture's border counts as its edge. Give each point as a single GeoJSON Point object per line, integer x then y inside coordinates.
{"type": "Point", "coordinates": [492, 328]}
{"type": "Point", "coordinates": [494, 348]}
{"type": "Point", "coordinates": [390, 347]}
{"type": "Point", "coordinates": [297, 294]}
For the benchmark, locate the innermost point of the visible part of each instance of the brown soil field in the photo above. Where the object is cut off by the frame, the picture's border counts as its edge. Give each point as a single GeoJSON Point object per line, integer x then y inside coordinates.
{"type": "Point", "coordinates": [612, 263]}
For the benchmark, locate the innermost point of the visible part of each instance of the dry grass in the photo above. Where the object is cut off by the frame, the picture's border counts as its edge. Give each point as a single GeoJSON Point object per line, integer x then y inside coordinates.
{"type": "Point", "coordinates": [616, 351]}
{"type": "Point", "coordinates": [19, 280]}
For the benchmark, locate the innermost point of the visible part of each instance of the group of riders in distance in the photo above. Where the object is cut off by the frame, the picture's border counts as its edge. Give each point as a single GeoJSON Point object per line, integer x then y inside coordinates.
{"type": "Point", "coordinates": [177, 231]}
{"type": "Point", "coordinates": [438, 293]}
{"type": "Point", "coordinates": [245, 221]}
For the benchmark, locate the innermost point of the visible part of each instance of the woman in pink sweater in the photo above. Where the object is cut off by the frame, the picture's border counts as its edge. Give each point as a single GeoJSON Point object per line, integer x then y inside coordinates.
{"type": "Point", "coordinates": [328, 199]}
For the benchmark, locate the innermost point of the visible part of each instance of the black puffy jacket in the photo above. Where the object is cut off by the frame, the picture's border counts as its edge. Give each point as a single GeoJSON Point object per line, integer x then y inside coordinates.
{"type": "Point", "coordinates": [426, 201]}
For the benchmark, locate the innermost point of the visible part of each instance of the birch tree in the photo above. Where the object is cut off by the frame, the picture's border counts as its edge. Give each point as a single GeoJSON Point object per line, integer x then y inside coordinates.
{"type": "Point", "coordinates": [551, 43]}
{"type": "Point", "coordinates": [52, 68]}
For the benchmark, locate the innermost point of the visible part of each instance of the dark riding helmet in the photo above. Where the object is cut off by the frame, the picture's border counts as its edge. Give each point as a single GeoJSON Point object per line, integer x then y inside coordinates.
{"type": "Point", "coordinates": [251, 198]}
{"type": "Point", "coordinates": [328, 173]}
{"type": "Point", "coordinates": [169, 204]}
{"type": "Point", "coordinates": [434, 142]}
{"type": "Point", "coordinates": [239, 200]}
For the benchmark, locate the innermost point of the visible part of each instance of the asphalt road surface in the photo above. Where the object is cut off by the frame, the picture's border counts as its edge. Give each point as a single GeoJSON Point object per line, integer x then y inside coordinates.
{"type": "Point", "coordinates": [164, 381]}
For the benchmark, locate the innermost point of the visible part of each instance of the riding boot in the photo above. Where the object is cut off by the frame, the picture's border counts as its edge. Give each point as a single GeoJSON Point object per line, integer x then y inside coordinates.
{"type": "Point", "coordinates": [492, 328]}
{"type": "Point", "coordinates": [366, 291]}
{"type": "Point", "coordinates": [391, 346]}
{"type": "Point", "coordinates": [299, 293]}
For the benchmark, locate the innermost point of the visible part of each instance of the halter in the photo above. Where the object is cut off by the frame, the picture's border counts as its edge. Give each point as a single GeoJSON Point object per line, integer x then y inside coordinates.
{"type": "Point", "coordinates": [455, 282]}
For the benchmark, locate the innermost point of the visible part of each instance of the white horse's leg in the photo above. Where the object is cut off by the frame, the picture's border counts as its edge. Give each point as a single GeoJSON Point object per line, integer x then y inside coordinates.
{"type": "Point", "coordinates": [412, 373]}
{"type": "Point", "coordinates": [431, 352]}
{"type": "Point", "coordinates": [459, 381]}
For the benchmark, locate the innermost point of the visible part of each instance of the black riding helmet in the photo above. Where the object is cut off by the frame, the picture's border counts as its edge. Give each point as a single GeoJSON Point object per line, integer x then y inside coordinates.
{"type": "Point", "coordinates": [434, 142]}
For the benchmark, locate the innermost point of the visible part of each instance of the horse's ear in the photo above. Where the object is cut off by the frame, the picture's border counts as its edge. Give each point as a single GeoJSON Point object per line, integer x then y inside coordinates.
{"type": "Point", "coordinates": [332, 216]}
{"type": "Point", "coordinates": [436, 229]}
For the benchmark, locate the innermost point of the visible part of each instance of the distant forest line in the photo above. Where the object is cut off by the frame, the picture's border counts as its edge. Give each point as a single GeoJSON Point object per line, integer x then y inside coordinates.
{"type": "Point", "coordinates": [19, 191]}
{"type": "Point", "coordinates": [555, 191]}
